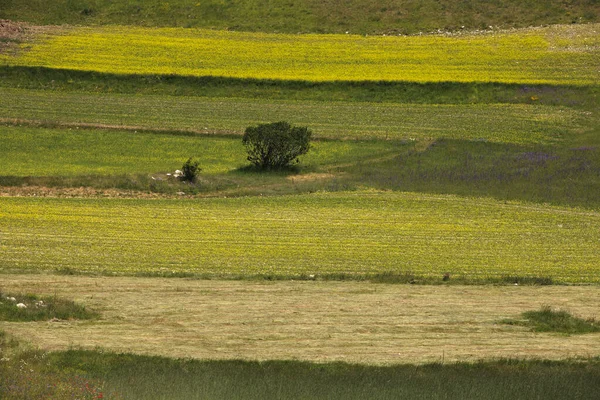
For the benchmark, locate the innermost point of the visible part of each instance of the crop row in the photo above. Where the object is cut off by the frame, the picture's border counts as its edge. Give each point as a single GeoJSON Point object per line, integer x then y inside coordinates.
{"type": "Point", "coordinates": [556, 55]}
{"type": "Point", "coordinates": [351, 233]}
{"type": "Point", "coordinates": [507, 123]}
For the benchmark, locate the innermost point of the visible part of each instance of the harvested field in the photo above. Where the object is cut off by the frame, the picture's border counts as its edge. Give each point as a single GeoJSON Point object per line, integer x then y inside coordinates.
{"type": "Point", "coordinates": [316, 321]}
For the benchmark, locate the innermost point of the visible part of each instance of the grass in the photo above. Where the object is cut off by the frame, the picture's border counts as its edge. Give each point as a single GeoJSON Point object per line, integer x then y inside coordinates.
{"type": "Point", "coordinates": [354, 233]}
{"type": "Point", "coordinates": [549, 320]}
{"type": "Point", "coordinates": [507, 123]}
{"type": "Point", "coordinates": [62, 80]}
{"type": "Point", "coordinates": [552, 55]}
{"type": "Point", "coordinates": [137, 377]}
{"type": "Point", "coordinates": [40, 309]}
{"type": "Point", "coordinates": [31, 151]}
{"type": "Point", "coordinates": [316, 321]}
{"type": "Point", "coordinates": [308, 16]}
{"type": "Point", "coordinates": [567, 174]}
{"type": "Point", "coordinates": [27, 375]}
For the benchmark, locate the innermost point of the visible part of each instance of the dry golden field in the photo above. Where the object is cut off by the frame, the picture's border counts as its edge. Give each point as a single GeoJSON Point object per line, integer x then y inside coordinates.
{"type": "Point", "coordinates": [315, 321]}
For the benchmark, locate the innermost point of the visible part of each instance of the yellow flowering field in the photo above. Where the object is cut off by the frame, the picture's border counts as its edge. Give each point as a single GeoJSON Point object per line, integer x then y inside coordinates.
{"type": "Point", "coordinates": [324, 233]}
{"type": "Point", "coordinates": [553, 55]}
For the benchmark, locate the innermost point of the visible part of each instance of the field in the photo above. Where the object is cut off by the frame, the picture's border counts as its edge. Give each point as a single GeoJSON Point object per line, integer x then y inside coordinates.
{"type": "Point", "coordinates": [553, 55]}
{"type": "Point", "coordinates": [71, 152]}
{"type": "Point", "coordinates": [321, 234]}
{"type": "Point", "coordinates": [382, 16]}
{"type": "Point", "coordinates": [355, 322]}
{"type": "Point", "coordinates": [505, 123]}
{"type": "Point", "coordinates": [453, 186]}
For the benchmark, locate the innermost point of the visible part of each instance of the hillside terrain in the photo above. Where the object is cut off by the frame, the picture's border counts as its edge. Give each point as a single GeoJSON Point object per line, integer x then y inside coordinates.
{"type": "Point", "coordinates": [451, 191]}
{"type": "Point", "coordinates": [314, 16]}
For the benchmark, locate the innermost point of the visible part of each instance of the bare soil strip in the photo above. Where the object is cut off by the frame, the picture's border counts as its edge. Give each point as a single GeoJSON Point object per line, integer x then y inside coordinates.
{"type": "Point", "coordinates": [12, 33]}
{"type": "Point", "coordinates": [316, 321]}
{"type": "Point", "coordinates": [80, 192]}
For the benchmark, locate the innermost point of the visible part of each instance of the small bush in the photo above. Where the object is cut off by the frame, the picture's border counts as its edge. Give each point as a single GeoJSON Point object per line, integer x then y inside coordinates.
{"type": "Point", "coordinates": [190, 170]}
{"type": "Point", "coordinates": [276, 145]}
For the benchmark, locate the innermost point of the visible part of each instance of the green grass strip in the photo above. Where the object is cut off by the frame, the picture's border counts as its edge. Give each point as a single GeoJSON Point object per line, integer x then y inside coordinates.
{"type": "Point", "coordinates": [141, 377]}
{"type": "Point", "coordinates": [348, 233]}
{"type": "Point", "coordinates": [359, 91]}
{"type": "Point", "coordinates": [507, 123]}
{"type": "Point", "coordinates": [30, 151]}
{"type": "Point", "coordinates": [307, 16]}
{"type": "Point", "coordinates": [548, 319]}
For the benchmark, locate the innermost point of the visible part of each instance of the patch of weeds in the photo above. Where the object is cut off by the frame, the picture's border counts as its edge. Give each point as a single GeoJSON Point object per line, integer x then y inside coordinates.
{"type": "Point", "coordinates": [66, 271]}
{"type": "Point", "coordinates": [559, 321]}
{"type": "Point", "coordinates": [393, 277]}
{"type": "Point", "coordinates": [29, 307]}
{"type": "Point", "coordinates": [528, 280]}
{"type": "Point", "coordinates": [27, 376]}
{"type": "Point", "coordinates": [7, 342]}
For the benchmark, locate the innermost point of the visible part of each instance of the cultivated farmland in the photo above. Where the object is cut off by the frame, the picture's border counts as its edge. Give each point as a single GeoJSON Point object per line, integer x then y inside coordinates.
{"type": "Point", "coordinates": [324, 234]}
{"type": "Point", "coordinates": [313, 321]}
{"type": "Point", "coordinates": [506, 123]}
{"type": "Point", "coordinates": [452, 175]}
{"type": "Point", "coordinates": [553, 55]}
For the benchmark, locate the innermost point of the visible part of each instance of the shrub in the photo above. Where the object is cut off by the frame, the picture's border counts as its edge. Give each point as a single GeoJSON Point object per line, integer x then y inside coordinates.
{"type": "Point", "coordinates": [276, 145]}
{"type": "Point", "coordinates": [190, 170]}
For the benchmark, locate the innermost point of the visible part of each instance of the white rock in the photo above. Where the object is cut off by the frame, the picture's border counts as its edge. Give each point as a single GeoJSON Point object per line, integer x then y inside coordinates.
{"type": "Point", "coordinates": [11, 299]}
{"type": "Point", "coordinates": [21, 305]}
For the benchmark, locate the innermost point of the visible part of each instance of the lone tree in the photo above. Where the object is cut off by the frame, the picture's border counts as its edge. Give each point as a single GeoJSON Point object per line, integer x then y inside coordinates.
{"type": "Point", "coordinates": [276, 145]}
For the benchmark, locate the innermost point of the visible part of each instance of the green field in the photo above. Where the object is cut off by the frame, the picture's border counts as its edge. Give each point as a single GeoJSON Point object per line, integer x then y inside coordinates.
{"type": "Point", "coordinates": [348, 233]}
{"type": "Point", "coordinates": [505, 123]}
{"type": "Point", "coordinates": [452, 191]}
{"type": "Point", "coordinates": [71, 152]}
{"type": "Point", "coordinates": [387, 16]}
{"type": "Point", "coordinates": [62, 80]}
{"type": "Point", "coordinates": [553, 55]}
{"type": "Point", "coordinates": [141, 377]}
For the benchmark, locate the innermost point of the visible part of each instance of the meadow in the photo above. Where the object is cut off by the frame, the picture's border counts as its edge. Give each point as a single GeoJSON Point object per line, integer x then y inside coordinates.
{"type": "Point", "coordinates": [551, 55]}
{"type": "Point", "coordinates": [381, 16]}
{"type": "Point", "coordinates": [41, 152]}
{"type": "Point", "coordinates": [453, 188]}
{"type": "Point", "coordinates": [504, 123]}
{"type": "Point", "coordinates": [348, 234]}
{"type": "Point", "coordinates": [101, 374]}
{"type": "Point", "coordinates": [68, 80]}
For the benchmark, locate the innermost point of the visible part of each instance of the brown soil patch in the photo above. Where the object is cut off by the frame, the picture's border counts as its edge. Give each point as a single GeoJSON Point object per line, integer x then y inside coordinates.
{"type": "Point", "coordinates": [12, 34]}
{"type": "Point", "coordinates": [310, 177]}
{"type": "Point", "coordinates": [12, 30]}
{"type": "Point", "coordinates": [88, 192]}
{"type": "Point", "coordinates": [129, 128]}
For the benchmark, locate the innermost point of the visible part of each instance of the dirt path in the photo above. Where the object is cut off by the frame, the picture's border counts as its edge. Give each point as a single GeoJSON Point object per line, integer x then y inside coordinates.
{"type": "Point", "coordinates": [317, 321]}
